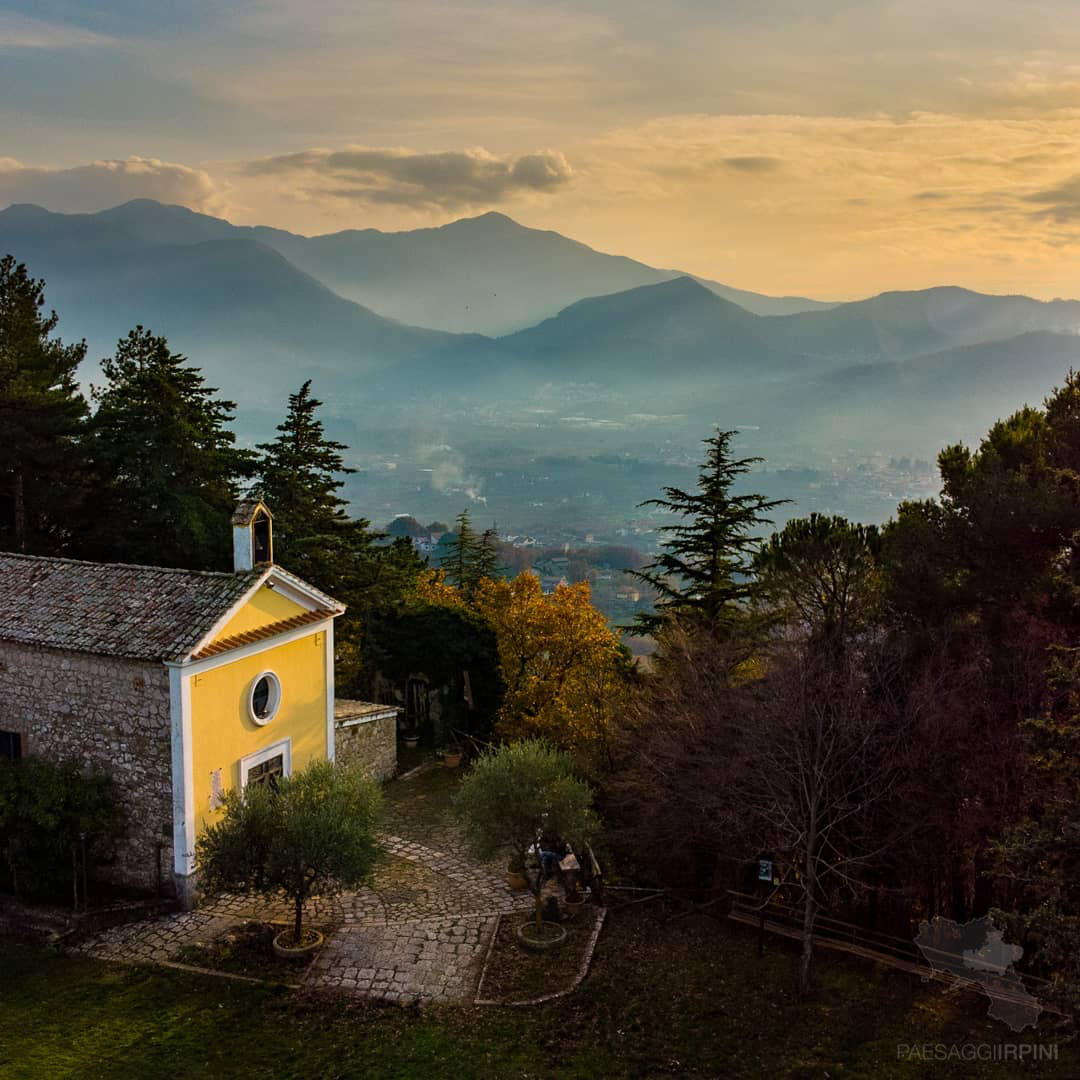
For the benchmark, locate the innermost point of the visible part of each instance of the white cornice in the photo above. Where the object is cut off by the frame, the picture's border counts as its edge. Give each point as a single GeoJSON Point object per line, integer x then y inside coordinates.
{"type": "Point", "coordinates": [289, 585]}
{"type": "Point", "coordinates": [196, 667]}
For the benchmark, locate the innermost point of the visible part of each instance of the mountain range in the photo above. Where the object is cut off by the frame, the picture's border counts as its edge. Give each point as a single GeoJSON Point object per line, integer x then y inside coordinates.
{"type": "Point", "coordinates": [485, 307]}
{"type": "Point", "coordinates": [486, 274]}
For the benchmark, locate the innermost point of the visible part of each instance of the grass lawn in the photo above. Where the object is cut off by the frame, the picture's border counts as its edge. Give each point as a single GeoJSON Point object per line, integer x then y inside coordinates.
{"type": "Point", "coordinates": [689, 998]}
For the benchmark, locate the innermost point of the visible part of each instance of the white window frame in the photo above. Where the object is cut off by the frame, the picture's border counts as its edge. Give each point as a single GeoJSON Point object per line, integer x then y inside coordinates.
{"type": "Point", "coordinates": [283, 747]}
{"type": "Point", "coordinates": [275, 697]}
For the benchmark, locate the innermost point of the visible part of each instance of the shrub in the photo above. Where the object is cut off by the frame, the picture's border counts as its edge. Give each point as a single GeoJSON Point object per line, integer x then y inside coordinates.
{"type": "Point", "coordinates": [516, 793]}
{"type": "Point", "coordinates": [312, 834]}
{"type": "Point", "coordinates": [51, 813]}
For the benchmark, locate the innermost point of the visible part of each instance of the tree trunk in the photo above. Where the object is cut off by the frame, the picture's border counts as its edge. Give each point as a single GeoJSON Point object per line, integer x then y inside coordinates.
{"type": "Point", "coordinates": [872, 910]}
{"type": "Point", "coordinates": [959, 890]}
{"type": "Point", "coordinates": [984, 886]}
{"type": "Point", "coordinates": [18, 491]}
{"type": "Point", "coordinates": [806, 960]}
{"type": "Point", "coordinates": [299, 916]}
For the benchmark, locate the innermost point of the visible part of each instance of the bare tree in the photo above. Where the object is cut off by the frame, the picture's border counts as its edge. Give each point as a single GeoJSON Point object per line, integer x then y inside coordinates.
{"type": "Point", "coordinates": [669, 786]}
{"type": "Point", "coordinates": [785, 749]}
{"type": "Point", "coordinates": [818, 761]}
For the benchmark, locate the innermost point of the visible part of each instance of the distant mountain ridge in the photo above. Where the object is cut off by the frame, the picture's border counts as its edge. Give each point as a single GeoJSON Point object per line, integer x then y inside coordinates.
{"type": "Point", "coordinates": [896, 324]}
{"type": "Point", "coordinates": [261, 310]}
{"type": "Point", "coordinates": [486, 274]}
{"type": "Point", "coordinates": [238, 306]}
{"type": "Point", "coordinates": [679, 331]}
{"type": "Point", "coordinates": [677, 327]}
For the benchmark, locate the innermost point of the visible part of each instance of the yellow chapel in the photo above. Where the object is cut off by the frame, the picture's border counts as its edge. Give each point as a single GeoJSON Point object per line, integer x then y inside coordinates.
{"type": "Point", "coordinates": [180, 684]}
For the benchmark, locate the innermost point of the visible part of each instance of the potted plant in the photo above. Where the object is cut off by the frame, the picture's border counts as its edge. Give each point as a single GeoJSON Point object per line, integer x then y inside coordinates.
{"type": "Point", "coordinates": [511, 796]}
{"type": "Point", "coordinates": [451, 757]}
{"type": "Point", "coordinates": [313, 835]}
{"type": "Point", "coordinates": [285, 943]}
{"type": "Point", "coordinates": [575, 900]}
{"type": "Point", "coordinates": [516, 877]}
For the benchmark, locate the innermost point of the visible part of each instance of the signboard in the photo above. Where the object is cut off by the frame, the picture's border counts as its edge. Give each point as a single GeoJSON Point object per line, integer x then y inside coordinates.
{"type": "Point", "coordinates": [764, 870]}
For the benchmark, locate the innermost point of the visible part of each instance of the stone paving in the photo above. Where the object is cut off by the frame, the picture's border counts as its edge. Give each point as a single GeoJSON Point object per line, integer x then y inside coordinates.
{"type": "Point", "coordinates": [157, 939]}
{"type": "Point", "coordinates": [417, 933]}
{"type": "Point", "coordinates": [435, 959]}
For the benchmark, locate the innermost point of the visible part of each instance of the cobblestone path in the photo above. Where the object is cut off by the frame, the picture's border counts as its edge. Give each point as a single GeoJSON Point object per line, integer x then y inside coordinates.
{"type": "Point", "coordinates": [417, 933]}
{"type": "Point", "coordinates": [436, 959]}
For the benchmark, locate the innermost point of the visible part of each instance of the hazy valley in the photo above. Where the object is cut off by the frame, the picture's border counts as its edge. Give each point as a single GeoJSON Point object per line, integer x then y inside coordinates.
{"type": "Point", "coordinates": [548, 386]}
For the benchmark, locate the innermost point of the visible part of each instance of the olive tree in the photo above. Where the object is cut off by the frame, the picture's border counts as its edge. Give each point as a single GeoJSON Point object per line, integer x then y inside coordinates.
{"type": "Point", "coordinates": [311, 834]}
{"type": "Point", "coordinates": [515, 794]}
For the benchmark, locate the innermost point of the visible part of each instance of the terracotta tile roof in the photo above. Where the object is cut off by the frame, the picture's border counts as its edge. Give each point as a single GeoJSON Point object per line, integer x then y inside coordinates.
{"type": "Point", "coordinates": [143, 612]}
{"type": "Point", "coordinates": [262, 632]}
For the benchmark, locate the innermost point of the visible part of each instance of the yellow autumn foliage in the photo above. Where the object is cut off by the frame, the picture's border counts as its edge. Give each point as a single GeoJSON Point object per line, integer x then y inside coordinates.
{"type": "Point", "coordinates": [432, 588]}
{"type": "Point", "coordinates": [563, 668]}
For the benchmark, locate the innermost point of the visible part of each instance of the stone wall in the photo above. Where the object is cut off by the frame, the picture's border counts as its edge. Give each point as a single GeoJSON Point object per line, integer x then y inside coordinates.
{"type": "Point", "coordinates": [371, 742]}
{"type": "Point", "coordinates": [109, 713]}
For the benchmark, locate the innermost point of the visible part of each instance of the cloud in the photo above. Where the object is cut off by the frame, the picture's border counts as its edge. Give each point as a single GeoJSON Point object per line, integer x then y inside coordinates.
{"type": "Point", "coordinates": [857, 203]}
{"type": "Point", "coordinates": [101, 184]}
{"type": "Point", "coordinates": [754, 163]}
{"type": "Point", "coordinates": [1062, 203]}
{"type": "Point", "coordinates": [21, 32]}
{"type": "Point", "coordinates": [448, 180]}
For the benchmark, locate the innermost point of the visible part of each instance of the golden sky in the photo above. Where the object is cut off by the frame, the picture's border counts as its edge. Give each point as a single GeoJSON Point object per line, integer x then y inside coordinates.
{"type": "Point", "coordinates": [831, 149]}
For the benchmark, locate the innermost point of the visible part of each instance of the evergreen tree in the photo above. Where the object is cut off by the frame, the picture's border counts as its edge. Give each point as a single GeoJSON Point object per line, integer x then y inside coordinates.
{"type": "Point", "coordinates": [461, 552]}
{"type": "Point", "coordinates": [468, 558]}
{"type": "Point", "coordinates": [166, 463]}
{"type": "Point", "coordinates": [300, 475]}
{"type": "Point", "coordinates": [485, 562]}
{"type": "Point", "coordinates": [820, 574]}
{"type": "Point", "coordinates": [42, 415]}
{"type": "Point", "coordinates": [299, 478]}
{"type": "Point", "coordinates": [383, 580]}
{"type": "Point", "coordinates": [704, 569]}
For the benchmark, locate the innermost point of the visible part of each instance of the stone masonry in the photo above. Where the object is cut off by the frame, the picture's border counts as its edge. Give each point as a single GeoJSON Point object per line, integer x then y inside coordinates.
{"type": "Point", "coordinates": [366, 734]}
{"type": "Point", "coordinates": [110, 713]}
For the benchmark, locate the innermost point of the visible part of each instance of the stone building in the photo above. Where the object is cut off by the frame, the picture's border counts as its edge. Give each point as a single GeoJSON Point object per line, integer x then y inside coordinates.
{"type": "Point", "coordinates": [179, 684]}
{"type": "Point", "coordinates": [365, 734]}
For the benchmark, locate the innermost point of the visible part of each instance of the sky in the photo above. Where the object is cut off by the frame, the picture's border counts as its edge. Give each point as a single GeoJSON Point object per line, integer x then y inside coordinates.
{"type": "Point", "coordinates": [831, 149]}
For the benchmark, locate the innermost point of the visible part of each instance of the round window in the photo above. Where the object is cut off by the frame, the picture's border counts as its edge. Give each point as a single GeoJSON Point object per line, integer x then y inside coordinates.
{"type": "Point", "coordinates": [265, 697]}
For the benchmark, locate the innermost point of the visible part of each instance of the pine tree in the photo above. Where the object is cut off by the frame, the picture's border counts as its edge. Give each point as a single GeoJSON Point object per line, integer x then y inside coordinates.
{"type": "Point", "coordinates": [820, 573]}
{"type": "Point", "coordinates": [485, 561]}
{"type": "Point", "coordinates": [468, 558]}
{"type": "Point", "coordinates": [704, 569]}
{"type": "Point", "coordinates": [166, 463]}
{"type": "Point", "coordinates": [300, 476]}
{"type": "Point", "coordinates": [461, 552]}
{"type": "Point", "coordinates": [42, 415]}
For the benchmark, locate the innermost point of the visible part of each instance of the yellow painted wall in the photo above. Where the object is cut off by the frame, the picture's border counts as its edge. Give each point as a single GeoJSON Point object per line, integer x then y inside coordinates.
{"type": "Point", "coordinates": [265, 607]}
{"type": "Point", "coordinates": [222, 731]}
